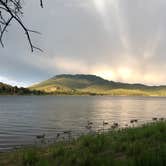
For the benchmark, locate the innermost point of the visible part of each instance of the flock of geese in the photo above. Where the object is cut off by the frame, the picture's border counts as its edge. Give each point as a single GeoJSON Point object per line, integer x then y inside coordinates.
{"type": "Point", "coordinates": [105, 123]}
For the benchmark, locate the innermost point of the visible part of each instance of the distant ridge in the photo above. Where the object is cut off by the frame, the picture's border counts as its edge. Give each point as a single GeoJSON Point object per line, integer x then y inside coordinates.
{"type": "Point", "coordinates": [92, 84]}
{"type": "Point", "coordinates": [6, 89]}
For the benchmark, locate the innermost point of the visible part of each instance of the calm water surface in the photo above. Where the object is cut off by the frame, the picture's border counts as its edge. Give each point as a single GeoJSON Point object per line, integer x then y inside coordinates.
{"type": "Point", "coordinates": [24, 117]}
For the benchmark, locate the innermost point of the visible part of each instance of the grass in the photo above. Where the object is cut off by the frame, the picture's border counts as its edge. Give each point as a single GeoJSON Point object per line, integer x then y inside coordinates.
{"type": "Point", "coordinates": [141, 146]}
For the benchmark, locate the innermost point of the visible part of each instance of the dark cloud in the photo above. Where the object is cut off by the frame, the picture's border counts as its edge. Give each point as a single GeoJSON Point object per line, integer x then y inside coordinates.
{"type": "Point", "coordinates": [119, 40]}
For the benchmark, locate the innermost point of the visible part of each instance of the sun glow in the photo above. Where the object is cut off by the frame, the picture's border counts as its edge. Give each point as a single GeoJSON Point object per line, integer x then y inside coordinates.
{"type": "Point", "coordinates": [120, 73]}
{"type": "Point", "coordinates": [103, 8]}
{"type": "Point", "coordinates": [105, 73]}
{"type": "Point", "coordinates": [100, 5]}
{"type": "Point", "coordinates": [125, 73]}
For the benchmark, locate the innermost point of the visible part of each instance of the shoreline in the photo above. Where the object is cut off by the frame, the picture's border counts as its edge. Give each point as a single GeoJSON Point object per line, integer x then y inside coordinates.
{"type": "Point", "coordinates": [131, 145]}
{"type": "Point", "coordinates": [87, 95]}
{"type": "Point", "coordinates": [67, 135]}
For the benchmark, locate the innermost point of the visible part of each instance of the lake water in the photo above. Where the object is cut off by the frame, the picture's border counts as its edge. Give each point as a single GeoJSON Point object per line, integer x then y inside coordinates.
{"type": "Point", "coordinates": [24, 117]}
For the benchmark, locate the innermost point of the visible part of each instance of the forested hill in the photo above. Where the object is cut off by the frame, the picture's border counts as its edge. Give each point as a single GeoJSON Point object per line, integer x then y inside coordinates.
{"type": "Point", "coordinates": [6, 89]}
{"type": "Point", "coordinates": [83, 85]}
{"type": "Point", "coordinates": [92, 84]}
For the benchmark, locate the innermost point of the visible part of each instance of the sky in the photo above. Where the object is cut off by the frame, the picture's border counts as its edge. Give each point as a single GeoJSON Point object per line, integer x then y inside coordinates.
{"type": "Point", "coordinates": [119, 40]}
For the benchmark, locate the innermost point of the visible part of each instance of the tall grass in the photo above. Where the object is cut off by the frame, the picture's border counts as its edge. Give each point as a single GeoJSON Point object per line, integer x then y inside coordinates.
{"type": "Point", "coordinates": [141, 146]}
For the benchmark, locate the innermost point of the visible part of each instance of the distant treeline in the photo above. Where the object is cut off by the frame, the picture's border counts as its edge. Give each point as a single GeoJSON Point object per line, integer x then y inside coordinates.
{"type": "Point", "coordinates": [14, 90]}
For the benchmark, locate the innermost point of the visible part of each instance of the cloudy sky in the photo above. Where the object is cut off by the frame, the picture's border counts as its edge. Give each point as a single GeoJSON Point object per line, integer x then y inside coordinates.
{"type": "Point", "coordinates": [120, 40]}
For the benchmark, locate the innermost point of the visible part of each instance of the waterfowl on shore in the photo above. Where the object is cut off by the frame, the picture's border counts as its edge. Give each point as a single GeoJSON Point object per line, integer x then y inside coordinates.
{"type": "Point", "coordinates": [154, 119]}
{"type": "Point", "coordinates": [40, 136]}
{"type": "Point", "coordinates": [132, 121]}
{"type": "Point", "coordinates": [58, 135]}
{"type": "Point", "coordinates": [67, 132]}
{"type": "Point", "coordinates": [90, 123]}
{"type": "Point", "coordinates": [116, 124]}
{"type": "Point", "coordinates": [105, 123]}
{"type": "Point", "coordinates": [161, 119]}
{"type": "Point", "coordinates": [113, 127]}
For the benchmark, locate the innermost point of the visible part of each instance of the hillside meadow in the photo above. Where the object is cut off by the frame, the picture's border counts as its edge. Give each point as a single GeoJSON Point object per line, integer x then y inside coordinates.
{"type": "Point", "coordinates": [94, 85]}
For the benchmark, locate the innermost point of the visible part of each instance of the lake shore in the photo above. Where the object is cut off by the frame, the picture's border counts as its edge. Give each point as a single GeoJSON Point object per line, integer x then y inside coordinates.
{"type": "Point", "coordinates": [145, 145]}
{"type": "Point", "coordinates": [115, 95]}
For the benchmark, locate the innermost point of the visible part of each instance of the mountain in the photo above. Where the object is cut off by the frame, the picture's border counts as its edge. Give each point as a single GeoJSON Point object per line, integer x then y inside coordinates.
{"type": "Point", "coordinates": [6, 89]}
{"type": "Point", "coordinates": [92, 84]}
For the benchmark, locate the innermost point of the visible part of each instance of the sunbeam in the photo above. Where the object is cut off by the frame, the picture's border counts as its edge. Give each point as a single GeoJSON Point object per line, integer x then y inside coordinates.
{"type": "Point", "coordinates": [100, 6]}
{"type": "Point", "coordinates": [104, 8]}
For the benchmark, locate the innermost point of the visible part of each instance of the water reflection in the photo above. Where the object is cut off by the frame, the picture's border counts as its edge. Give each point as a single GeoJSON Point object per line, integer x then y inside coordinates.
{"type": "Point", "coordinates": [22, 118]}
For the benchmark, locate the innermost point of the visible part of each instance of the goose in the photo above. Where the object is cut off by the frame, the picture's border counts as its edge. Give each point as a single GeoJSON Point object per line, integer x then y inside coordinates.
{"type": "Point", "coordinates": [161, 119]}
{"type": "Point", "coordinates": [154, 119]}
{"type": "Point", "coordinates": [135, 120]}
{"type": "Point", "coordinates": [90, 123]}
{"type": "Point", "coordinates": [58, 135]}
{"type": "Point", "coordinates": [105, 123]}
{"type": "Point", "coordinates": [131, 121]}
{"type": "Point", "coordinates": [67, 132]}
{"type": "Point", "coordinates": [115, 125]}
{"type": "Point", "coordinates": [40, 136]}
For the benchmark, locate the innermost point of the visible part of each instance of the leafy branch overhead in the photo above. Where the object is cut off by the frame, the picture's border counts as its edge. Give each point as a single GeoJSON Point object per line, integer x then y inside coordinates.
{"type": "Point", "coordinates": [11, 11]}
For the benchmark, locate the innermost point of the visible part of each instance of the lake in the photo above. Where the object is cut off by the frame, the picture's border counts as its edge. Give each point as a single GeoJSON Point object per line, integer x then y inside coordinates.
{"type": "Point", "coordinates": [24, 117]}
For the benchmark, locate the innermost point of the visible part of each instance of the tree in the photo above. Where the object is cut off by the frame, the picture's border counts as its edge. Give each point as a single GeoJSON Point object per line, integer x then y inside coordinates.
{"type": "Point", "coordinates": [11, 11]}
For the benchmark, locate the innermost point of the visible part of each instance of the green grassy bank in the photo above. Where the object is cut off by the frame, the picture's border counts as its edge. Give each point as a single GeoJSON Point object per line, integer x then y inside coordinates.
{"type": "Point", "coordinates": [141, 146]}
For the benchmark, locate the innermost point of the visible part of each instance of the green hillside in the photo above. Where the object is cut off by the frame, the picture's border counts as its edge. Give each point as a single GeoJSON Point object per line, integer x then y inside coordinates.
{"type": "Point", "coordinates": [91, 84]}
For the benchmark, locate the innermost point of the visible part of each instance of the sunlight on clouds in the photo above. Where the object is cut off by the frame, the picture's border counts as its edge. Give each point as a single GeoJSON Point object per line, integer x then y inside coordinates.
{"type": "Point", "coordinates": [100, 5]}
{"type": "Point", "coordinates": [109, 75]}
{"type": "Point", "coordinates": [69, 65]}
{"type": "Point", "coordinates": [104, 72]}
{"type": "Point", "coordinates": [125, 73]}
{"type": "Point", "coordinates": [153, 79]}
{"type": "Point", "coordinates": [152, 46]}
{"type": "Point", "coordinates": [103, 7]}
{"type": "Point", "coordinates": [122, 73]}
{"type": "Point", "coordinates": [119, 73]}
{"type": "Point", "coordinates": [115, 39]}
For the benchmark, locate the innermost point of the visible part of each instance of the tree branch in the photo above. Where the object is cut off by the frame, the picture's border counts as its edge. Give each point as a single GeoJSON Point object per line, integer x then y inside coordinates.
{"type": "Point", "coordinates": [11, 10]}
